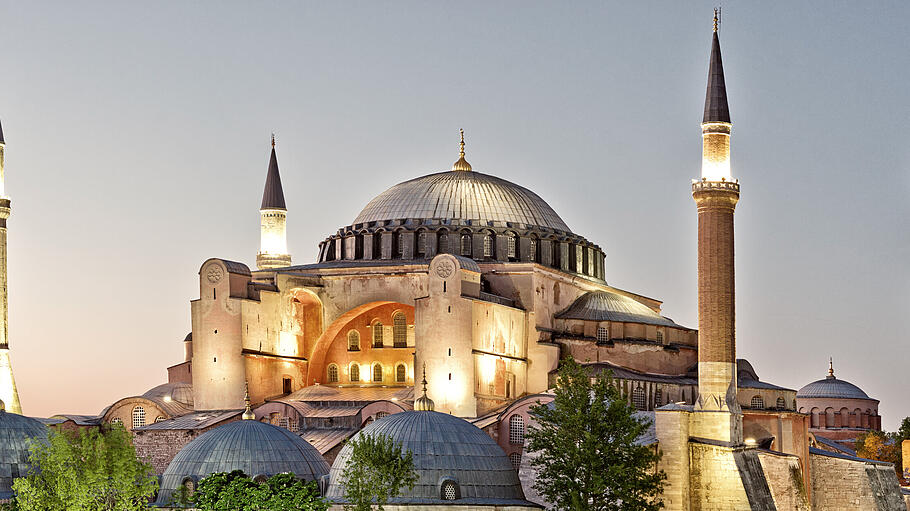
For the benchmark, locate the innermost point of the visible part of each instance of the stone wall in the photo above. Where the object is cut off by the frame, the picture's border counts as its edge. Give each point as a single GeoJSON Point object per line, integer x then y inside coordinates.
{"type": "Point", "coordinates": [158, 447]}
{"type": "Point", "coordinates": [785, 479]}
{"type": "Point", "coordinates": [725, 479]}
{"type": "Point", "coordinates": [850, 484]}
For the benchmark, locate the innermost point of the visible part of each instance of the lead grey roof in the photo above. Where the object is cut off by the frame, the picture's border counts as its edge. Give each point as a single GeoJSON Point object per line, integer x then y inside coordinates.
{"type": "Point", "coordinates": [607, 306]}
{"type": "Point", "coordinates": [831, 387]}
{"type": "Point", "coordinates": [462, 195]}
{"type": "Point", "coordinates": [192, 421]}
{"type": "Point", "coordinates": [273, 194]}
{"type": "Point", "coordinates": [716, 108]}
{"type": "Point", "coordinates": [254, 447]}
{"type": "Point", "coordinates": [443, 445]}
{"type": "Point", "coordinates": [15, 433]}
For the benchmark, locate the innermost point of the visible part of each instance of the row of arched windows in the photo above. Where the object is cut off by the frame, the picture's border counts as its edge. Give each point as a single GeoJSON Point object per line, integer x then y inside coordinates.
{"type": "Point", "coordinates": [758, 403]}
{"type": "Point", "coordinates": [138, 418]}
{"type": "Point", "coordinates": [333, 374]}
{"type": "Point", "coordinates": [399, 334]}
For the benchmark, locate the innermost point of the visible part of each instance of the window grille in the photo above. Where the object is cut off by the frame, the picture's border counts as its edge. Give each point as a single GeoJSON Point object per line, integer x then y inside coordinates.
{"type": "Point", "coordinates": [660, 336]}
{"type": "Point", "coordinates": [515, 458]}
{"type": "Point", "coordinates": [399, 240]}
{"type": "Point", "coordinates": [517, 430]}
{"type": "Point", "coordinates": [380, 415]}
{"type": "Point", "coordinates": [400, 373]}
{"type": "Point", "coordinates": [399, 330]}
{"type": "Point", "coordinates": [333, 373]}
{"type": "Point", "coordinates": [353, 340]}
{"type": "Point", "coordinates": [377, 335]}
{"type": "Point", "coordinates": [466, 245]}
{"type": "Point", "coordinates": [116, 420]}
{"type": "Point", "coordinates": [658, 397]}
{"type": "Point", "coordinates": [443, 244]}
{"type": "Point", "coordinates": [355, 372]}
{"type": "Point", "coordinates": [758, 402]}
{"type": "Point", "coordinates": [138, 417]}
{"type": "Point", "coordinates": [603, 335]}
{"type": "Point", "coordinates": [293, 425]}
{"type": "Point", "coordinates": [512, 245]}
{"type": "Point", "coordinates": [422, 243]}
{"type": "Point", "coordinates": [487, 246]}
{"type": "Point", "coordinates": [377, 372]}
{"type": "Point", "coordinates": [448, 491]}
{"type": "Point", "coordinates": [781, 404]}
{"type": "Point", "coordinates": [638, 399]}
{"type": "Point", "coordinates": [532, 250]}
{"type": "Point", "coordinates": [160, 419]}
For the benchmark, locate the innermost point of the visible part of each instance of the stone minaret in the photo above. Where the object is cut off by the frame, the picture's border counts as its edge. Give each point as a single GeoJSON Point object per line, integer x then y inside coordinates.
{"type": "Point", "coordinates": [716, 196]}
{"type": "Point", "coordinates": [273, 245]}
{"type": "Point", "coordinates": [8, 392]}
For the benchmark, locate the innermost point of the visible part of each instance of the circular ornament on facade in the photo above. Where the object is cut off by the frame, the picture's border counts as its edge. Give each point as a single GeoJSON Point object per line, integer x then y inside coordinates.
{"type": "Point", "coordinates": [445, 268]}
{"type": "Point", "coordinates": [214, 273]}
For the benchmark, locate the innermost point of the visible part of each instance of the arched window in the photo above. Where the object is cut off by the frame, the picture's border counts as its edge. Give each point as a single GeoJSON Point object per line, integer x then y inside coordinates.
{"type": "Point", "coordinates": [377, 372]}
{"type": "Point", "coordinates": [116, 420]}
{"type": "Point", "coordinates": [399, 330]}
{"type": "Point", "coordinates": [781, 404]}
{"type": "Point", "coordinates": [353, 340]}
{"type": "Point", "coordinates": [333, 373]}
{"type": "Point", "coordinates": [658, 397]}
{"type": "Point", "coordinates": [399, 241]}
{"type": "Point", "coordinates": [466, 244]}
{"type": "Point", "coordinates": [532, 250]}
{"type": "Point", "coordinates": [189, 486]}
{"type": "Point", "coordinates": [401, 373]}
{"type": "Point", "coordinates": [638, 399]}
{"type": "Point", "coordinates": [355, 372]}
{"type": "Point", "coordinates": [517, 430]}
{"type": "Point", "coordinates": [138, 417]}
{"type": "Point", "coordinates": [442, 244]}
{"type": "Point", "coordinates": [487, 245]}
{"type": "Point", "coordinates": [260, 478]}
{"type": "Point", "coordinates": [422, 243]}
{"type": "Point", "coordinates": [758, 402]}
{"type": "Point", "coordinates": [603, 335]}
{"type": "Point", "coordinates": [660, 336]}
{"type": "Point", "coordinates": [377, 334]}
{"type": "Point", "coordinates": [515, 458]}
{"type": "Point", "coordinates": [512, 242]}
{"type": "Point", "coordinates": [449, 491]}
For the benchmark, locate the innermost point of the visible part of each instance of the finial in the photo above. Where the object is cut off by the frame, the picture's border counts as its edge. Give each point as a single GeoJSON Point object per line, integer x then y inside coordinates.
{"type": "Point", "coordinates": [248, 413]}
{"type": "Point", "coordinates": [461, 164]}
{"type": "Point", "coordinates": [2, 406]}
{"type": "Point", "coordinates": [424, 382]}
{"type": "Point", "coordinates": [716, 17]}
{"type": "Point", "coordinates": [424, 403]}
{"type": "Point", "coordinates": [830, 367]}
{"type": "Point", "coordinates": [273, 139]}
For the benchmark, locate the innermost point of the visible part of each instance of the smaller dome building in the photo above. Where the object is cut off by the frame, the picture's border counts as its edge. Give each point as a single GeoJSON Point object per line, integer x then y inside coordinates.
{"type": "Point", "coordinates": [16, 431]}
{"type": "Point", "coordinates": [840, 410]}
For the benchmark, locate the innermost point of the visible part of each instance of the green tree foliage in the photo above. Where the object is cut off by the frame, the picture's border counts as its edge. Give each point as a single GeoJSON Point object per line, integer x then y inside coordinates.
{"type": "Point", "coordinates": [586, 454]}
{"type": "Point", "coordinates": [234, 491]}
{"type": "Point", "coordinates": [376, 471]}
{"type": "Point", "coordinates": [92, 471]}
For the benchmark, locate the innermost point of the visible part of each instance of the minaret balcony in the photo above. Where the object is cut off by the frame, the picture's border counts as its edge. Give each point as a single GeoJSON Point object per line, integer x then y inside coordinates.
{"type": "Point", "coordinates": [705, 186]}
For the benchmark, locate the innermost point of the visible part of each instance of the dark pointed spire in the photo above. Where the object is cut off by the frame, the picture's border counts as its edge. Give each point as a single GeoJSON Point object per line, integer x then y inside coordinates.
{"type": "Point", "coordinates": [716, 109]}
{"type": "Point", "coordinates": [273, 195]}
{"type": "Point", "coordinates": [1, 134]}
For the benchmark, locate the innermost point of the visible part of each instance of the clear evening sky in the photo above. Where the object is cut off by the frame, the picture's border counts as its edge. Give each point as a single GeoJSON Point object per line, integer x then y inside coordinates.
{"type": "Point", "coordinates": [138, 137]}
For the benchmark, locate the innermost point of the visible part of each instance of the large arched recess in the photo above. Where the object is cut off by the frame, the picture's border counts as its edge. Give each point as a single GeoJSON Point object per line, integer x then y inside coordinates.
{"type": "Point", "coordinates": [358, 318]}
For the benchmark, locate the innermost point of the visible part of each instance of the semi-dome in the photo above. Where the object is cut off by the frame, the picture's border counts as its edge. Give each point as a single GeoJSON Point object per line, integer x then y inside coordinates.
{"type": "Point", "coordinates": [16, 431]}
{"type": "Point", "coordinates": [607, 306]}
{"type": "Point", "coordinates": [462, 195]}
{"type": "Point", "coordinates": [256, 448]}
{"type": "Point", "coordinates": [832, 387]}
{"type": "Point", "coordinates": [452, 458]}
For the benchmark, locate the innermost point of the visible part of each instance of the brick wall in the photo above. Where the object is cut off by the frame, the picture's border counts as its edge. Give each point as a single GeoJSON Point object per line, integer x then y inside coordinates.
{"type": "Point", "coordinates": [785, 479]}
{"type": "Point", "coordinates": [849, 485]}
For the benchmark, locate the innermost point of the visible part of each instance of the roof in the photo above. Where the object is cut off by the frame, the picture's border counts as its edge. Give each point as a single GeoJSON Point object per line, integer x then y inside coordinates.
{"type": "Point", "coordinates": [832, 387]}
{"type": "Point", "coordinates": [325, 439]}
{"type": "Point", "coordinates": [80, 420]}
{"type": "Point", "coordinates": [716, 108]}
{"type": "Point", "coordinates": [192, 421]}
{"type": "Point", "coordinates": [256, 448]}
{"type": "Point", "coordinates": [835, 445]}
{"type": "Point", "coordinates": [607, 306]}
{"type": "Point", "coordinates": [330, 393]}
{"type": "Point", "coordinates": [822, 452]}
{"type": "Point", "coordinates": [443, 445]}
{"type": "Point", "coordinates": [462, 195]}
{"type": "Point", "coordinates": [748, 383]}
{"type": "Point", "coordinates": [631, 374]}
{"type": "Point", "coordinates": [15, 433]}
{"type": "Point", "coordinates": [273, 194]}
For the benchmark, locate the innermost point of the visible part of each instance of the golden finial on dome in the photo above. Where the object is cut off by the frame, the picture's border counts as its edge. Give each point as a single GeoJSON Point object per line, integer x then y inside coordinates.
{"type": "Point", "coordinates": [424, 403]}
{"type": "Point", "coordinates": [716, 17]}
{"type": "Point", "coordinates": [248, 413]}
{"type": "Point", "coordinates": [461, 164]}
{"type": "Point", "coordinates": [273, 139]}
{"type": "Point", "coordinates": [830, 367]}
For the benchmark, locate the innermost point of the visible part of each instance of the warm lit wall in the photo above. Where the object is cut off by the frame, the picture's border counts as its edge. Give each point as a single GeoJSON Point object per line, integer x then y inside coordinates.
{"type": "Point", "coordinates": [123, 410]}
{"type": "Point", "coordinates": [642, 357]}
{"type": "Point", "coordinates": [833, 414]}
{"type": "Point", "coordinates": [790, 431]}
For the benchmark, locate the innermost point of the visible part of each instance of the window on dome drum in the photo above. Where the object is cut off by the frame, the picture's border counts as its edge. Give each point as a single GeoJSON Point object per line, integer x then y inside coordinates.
{"type": "Point", "coordinates": [442, 245]}
{"type": "Point", "coordinates": [355, 372]}
{"type": "Point", "coordinates": [487, 245]}
{"type": "Point", "coordinates": [399, 242]}
{"type": "Point", "coordinates": [466, 245]}
{"type": "Point", "coordinates": [377, 334]}
{"type": "Point", "coordinates": [353, 340]}
{"type": "Point", "coordinates": [377, 372]}
{"type": "Point", "coordinates": [638, 399]}
{"type": "Point", "coordinates": [138, 417]}
{"type": "Point", "coordinates": [512, 242]}
{"type": "Point", "coordinates": [658, 397]}
{"type": "Point", "coordinates": [333, 373]}
{"type": "Point", "coordinates": [189, 486]}
{"type": "Point", "coordinates": [603, 335]}
{"type": "Point", "coordinates": [758, 402]}
{"type": "Point", "coordinates": [399, 330]}
{"type": "Point", "coordinates": [532, 250]}
{"type": "Point", "coordinates": [781, 404]}
{"type": "Point", "coordinates": [400, 373]}
{"type": "Point", "coordinates": [515, 458]}
{"type": "Point", "coordinates": [448, 491]}
{"type": "Point", "coordinates": [380, 415]}
{"type": "Point", "coordinates": [517, 430]}
{"type": "Point", "coordinates": [660, 336]}
{"type": "Point", "coordinates": [422, 243]}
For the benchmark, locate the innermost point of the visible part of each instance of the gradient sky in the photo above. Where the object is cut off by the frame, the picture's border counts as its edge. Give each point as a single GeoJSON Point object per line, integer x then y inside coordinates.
{"type": "Point", "coordinates": [137, 145]}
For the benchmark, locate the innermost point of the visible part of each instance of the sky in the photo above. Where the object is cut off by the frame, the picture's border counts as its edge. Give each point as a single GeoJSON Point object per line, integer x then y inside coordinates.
{"type": "Point", "coordinates": [138, 140]}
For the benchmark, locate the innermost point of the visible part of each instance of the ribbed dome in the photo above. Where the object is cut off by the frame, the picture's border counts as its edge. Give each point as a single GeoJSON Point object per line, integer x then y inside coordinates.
{"type": "Point", "coordinates": [605, 306]}
{"type": "Point", "coordinates": [832, 387]}
{"type": "Point", "coordinates": [254, 447]}
{"type": "Point", "coordinates": [462, 195]}
{"type": "Point", "coordinates": [15, 433]}
{"type": "Point", "coordinates": [444, 446]}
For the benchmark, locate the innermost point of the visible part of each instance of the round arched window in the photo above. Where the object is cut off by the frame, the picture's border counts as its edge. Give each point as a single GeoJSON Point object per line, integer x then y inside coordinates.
{"type": "Point", "coordinates": [758, 402]}
{"type": "Point", "coordinates": [638, 399]}
{"type": "Point", "coordinates": [781, 404]}
{"type": "Point", "coordinates": [138, 417]}
{"type": "Point", "coordinates": [333, 373]}
{"type": "Point", "coordinates": [515, 458]}
{"type": "Point", "coordinates": [353, 340]}
{"type": "Point", "coordinates": [517, 430]}
{"type": "Point", "coordinates": [377, 334]}
{"type": "Point", "coordinates": [399, 330]}
{"type": "Point", "coordinates": [355, 372]}
{"type": "Point", "coordinates": [401, 373]}
{"type": "Point", "coordinates": [449, 491]}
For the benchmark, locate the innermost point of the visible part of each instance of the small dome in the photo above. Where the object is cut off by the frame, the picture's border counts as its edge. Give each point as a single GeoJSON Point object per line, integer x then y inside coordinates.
{"type": "Point", "coordinates": [15, 433]}
{"type": "Point", "coordinates": [832, 387]}
{"type": "Point", "coordinates": [606, 306]}
{"type": "Point", "coordinates": [446, 450]}
{"type": "Point", "coordinates": [179, 392]}
{"type": "Point", "coordinates": [254, 447]}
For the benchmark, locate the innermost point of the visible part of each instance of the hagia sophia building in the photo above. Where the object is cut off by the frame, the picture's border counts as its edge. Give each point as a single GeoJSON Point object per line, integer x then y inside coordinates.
{"type": "Point", "coordinates": [440, 315]}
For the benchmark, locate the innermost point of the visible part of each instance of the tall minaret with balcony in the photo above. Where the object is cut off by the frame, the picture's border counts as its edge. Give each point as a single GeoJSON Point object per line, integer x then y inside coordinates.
{"type": "Point", "coordinates": [273, 244]}
{"type": "Point", "coordinates": [718, 416]}
{"type": "Point", "coordinates": [8, 392]}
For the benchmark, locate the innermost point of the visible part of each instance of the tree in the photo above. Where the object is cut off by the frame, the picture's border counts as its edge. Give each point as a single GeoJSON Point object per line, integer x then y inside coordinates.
{"type": "Point", "coordinates": [91, 470]}
{"type": "Point", "coordinates": [375, 472]}
{"type": "Point", "coordinates": [235, 491]}
{"type": "Point", "coordinates": [586, 452]}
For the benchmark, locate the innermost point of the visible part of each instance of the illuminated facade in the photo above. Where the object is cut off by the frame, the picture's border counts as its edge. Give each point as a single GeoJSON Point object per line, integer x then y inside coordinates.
{"type": "Point", "coordinates": [8, 392]}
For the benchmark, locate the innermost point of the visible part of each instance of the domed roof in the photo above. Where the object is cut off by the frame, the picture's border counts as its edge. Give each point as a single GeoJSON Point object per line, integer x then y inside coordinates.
{"type": "Point", "coordinates": [254, 447]}
{"type": "Point", "coordinates": [444, 447]}
{"type": "Point", "coordinates": [15, 433]}
{"type": "Point", "coordinates": [832, 387]}
{"type": "Point", "coordinates": [465, 195]}
{"type": "Point", "coordinates": [179, 392]}
{"type": "Point", "coordinates": [606, 306]}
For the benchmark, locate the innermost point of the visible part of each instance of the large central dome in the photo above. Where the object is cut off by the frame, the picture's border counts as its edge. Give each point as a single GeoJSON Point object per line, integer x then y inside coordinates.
{"type": "Point", "coordinates": [462, 195]}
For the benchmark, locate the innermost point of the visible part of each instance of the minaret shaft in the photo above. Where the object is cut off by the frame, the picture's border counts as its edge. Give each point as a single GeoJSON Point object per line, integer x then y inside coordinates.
{"type": "Point", "coordinates": [8, 392]}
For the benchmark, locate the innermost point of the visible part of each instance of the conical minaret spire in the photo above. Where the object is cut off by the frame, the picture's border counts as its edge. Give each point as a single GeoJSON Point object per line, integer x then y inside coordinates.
{"type": "Point", "coordinates": [716, 108]}
{"type": "Point", "coordinates": [8, 392]}
{"type": "Point", "coordinates": [273, 246]}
